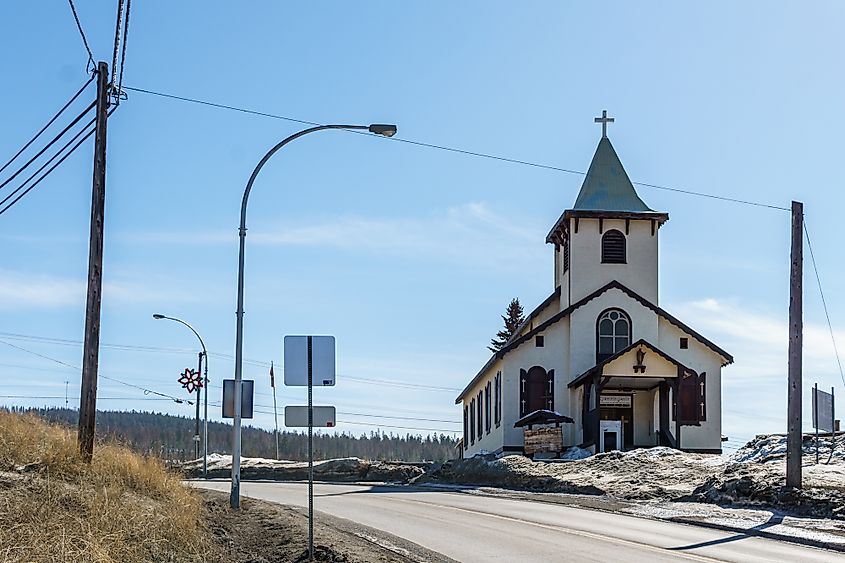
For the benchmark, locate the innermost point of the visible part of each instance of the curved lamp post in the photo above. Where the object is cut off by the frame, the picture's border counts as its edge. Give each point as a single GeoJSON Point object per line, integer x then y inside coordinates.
{"type": "Point", "coordinates": [203, 356]}
{"type": "Point", "coordinates": [378, 129]}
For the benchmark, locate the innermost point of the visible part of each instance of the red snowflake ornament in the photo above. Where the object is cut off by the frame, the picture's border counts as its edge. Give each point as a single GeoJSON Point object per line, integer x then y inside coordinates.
{"type": "Point", "coordinates": [191, 380]}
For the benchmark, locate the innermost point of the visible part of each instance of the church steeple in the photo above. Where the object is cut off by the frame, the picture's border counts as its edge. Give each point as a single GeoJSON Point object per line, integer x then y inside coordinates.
{"type": "Point", "coordinates": [607, 186]}
{"type": "Point", "coordinates": [610, 234]}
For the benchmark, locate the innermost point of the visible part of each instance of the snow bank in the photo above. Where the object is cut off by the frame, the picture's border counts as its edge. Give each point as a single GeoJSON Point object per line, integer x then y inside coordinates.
{"type": "Point", "coordinates": [349, 469]}
{"type": "Point", "coordinates": [753, 477]}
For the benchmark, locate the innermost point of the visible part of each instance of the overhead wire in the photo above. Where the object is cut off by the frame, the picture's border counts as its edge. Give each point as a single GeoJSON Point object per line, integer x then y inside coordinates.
{"type": "Point", "coordinates": [219, 355]}
{"type": "Point", "coordinates": [49, 123]}
{"type": "Point", "coordinates": [824, 302]}
{"type": "Point", "coordinates": [457, 150]}
{"type": "Point", "coordinates": [50, 144]}
{"type": "Point", "coordinates": [47, 173]}
{"type": "Point", "coordinates": [147, 391]}
{"type": "Point", "coordinates": [43, 166]}
{"type": "Point", "coordinates": [77, 398]}
{"type": "Point", "coordinates": [90, 64]}
{"type": "Point", "coordinates": [118, 22]}
{"type": "Point", "coordinates": [119, 92]}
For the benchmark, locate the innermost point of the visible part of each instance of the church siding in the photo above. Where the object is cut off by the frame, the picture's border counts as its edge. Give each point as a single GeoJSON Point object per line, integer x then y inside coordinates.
{"type": "Point", "coordinates": [492, 441]}
{"type": "Point", "coordinates": [553, 355]}
{"type": "Point", "coordinates": [639, 273]}
{"type": "Point", "coordinates": [700, 358]}
{"type": "Point", "coordinates": [583, 342]}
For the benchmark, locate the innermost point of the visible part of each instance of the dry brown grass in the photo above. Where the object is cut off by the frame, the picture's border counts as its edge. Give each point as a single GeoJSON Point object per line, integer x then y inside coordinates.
{"type": "Point", "coordinates": [120, 508]}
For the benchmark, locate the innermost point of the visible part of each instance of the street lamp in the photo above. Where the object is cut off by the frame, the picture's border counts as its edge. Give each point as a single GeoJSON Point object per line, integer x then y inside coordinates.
{"type": "Point", "coordinates": [202, 355]}
{"type": "Point", "coordinates": [377, 129]}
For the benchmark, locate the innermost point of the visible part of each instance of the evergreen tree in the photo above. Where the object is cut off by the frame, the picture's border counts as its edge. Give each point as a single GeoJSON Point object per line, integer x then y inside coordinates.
{"type": "Point", "coordinates": [513, 317]}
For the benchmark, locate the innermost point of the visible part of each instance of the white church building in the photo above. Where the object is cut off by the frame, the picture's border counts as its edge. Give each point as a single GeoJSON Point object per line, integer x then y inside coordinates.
{"type": "Point", "coordinates": [600, 349]}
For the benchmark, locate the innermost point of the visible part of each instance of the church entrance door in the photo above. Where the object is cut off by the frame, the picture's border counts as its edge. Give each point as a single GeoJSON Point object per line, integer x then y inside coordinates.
{"type": "Point", "coordinates": [619, 407]}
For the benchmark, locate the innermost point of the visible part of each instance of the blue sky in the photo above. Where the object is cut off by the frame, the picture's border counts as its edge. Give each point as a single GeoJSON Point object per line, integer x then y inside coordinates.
{"type": "Point", "coordinates": [410, 254]}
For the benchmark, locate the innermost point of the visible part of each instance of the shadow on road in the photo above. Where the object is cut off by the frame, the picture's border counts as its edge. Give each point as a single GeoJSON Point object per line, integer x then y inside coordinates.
{"type": "Point", "coordinates": [774, 520]}
{"type": "Point", "coordinates": [390, 489]}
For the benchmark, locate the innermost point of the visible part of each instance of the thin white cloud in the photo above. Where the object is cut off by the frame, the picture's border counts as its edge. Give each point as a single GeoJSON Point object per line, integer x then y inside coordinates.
{"type": "Point", "coordinates": [759, 340]}
{"type": "Point", "coordinates": [20, 290]}
{"type": "Point", "coordinates": [471, 233]}
{"type": "Point", "coordinates": [754, 388]}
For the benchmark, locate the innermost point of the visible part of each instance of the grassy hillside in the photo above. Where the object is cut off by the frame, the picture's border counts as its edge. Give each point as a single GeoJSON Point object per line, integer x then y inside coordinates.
{"type": "Point", "coordinates": [120, 508]}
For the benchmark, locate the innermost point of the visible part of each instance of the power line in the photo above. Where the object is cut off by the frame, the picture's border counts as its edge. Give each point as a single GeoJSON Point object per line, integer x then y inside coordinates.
{"type": "Point", "coordinates": [90, 63]}
{"type": "Point", "coordinates": [370, 424]}
{"type": "Point", "coordinates": [220, 355]}
{"type": "Point", "coordinates": [50, 144]}
{"type": "Point", "coordinates": [77, 398]}
{"type": "Point", "coordinates": [75, 368]}
{"type": "Point", "coordinates": [357, 423]}
{"type": "Point", "coordinates": [56, 165]}
{"type": "Point", "coordinates": [118, 21]}
{"type": "Point", "coordinates": [49, 123]}
{"type": "Point", "coordinates": [401, 384]}
{"type": "Point", "coordinates": [459, 151]}
{"type": "Point", "coordinates": [399, 417]}
{"type": "Point", "coordinates": [221, 106]}
{"type": "Point", "coordinates": [824, 303]}
{"type": "Point", "coordinates": [43, 166]}
{"type": "Point", "coordinates": [123, 52]}
{"type": "Point", "coordinates": [367, 415]}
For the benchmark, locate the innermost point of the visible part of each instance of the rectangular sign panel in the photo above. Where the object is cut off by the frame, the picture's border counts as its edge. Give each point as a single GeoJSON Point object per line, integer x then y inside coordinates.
{"type": "Point", "coordinates": [322, 360]}
{"type": "Point", "coordinates": [822, 410]}
{"type": "Point", "coordinates": [297, 417]}
{"type": "Point", "coordinates": [247, 388]}
{"type": "Point", "coordinates": [619, 401]}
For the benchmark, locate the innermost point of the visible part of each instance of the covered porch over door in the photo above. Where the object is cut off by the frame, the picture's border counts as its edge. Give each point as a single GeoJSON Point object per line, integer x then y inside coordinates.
{"type": "Point", "coordinates": [629, 399]}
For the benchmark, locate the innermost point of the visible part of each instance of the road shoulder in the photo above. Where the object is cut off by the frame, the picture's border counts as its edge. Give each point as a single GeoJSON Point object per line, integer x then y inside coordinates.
{"type": "Point", "coordinates": [264, 531]}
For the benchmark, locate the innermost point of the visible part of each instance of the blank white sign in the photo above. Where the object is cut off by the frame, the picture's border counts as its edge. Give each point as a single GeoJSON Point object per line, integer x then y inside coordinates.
{"type": "Point", "coordinates": [297, 417]}
{"type": "Point", "coordinates": [322, 360]}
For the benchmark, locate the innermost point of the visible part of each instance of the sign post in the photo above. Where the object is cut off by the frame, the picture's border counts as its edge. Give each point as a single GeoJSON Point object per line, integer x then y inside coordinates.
{"type": "Point", "coordinates": [308, 358]}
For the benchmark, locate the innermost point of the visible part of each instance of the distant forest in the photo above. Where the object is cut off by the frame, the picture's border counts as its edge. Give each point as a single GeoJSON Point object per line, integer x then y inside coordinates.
{"type": "Point", "coordinates": [170, 437]}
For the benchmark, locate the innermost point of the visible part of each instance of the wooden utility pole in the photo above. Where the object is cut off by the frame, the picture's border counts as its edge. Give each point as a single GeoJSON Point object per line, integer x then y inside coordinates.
{"type": "Point", "coordinates": [794, 436]}
{"type": "Point", "coordinates": [91, 350]}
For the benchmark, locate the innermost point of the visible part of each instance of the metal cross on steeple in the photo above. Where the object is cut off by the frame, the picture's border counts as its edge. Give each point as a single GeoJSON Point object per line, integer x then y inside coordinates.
{"type": "Point", "coordinates": [604, 120]}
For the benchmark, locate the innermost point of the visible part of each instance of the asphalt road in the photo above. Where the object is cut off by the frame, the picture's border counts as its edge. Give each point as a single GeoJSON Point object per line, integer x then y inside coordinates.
{"type": "Point", "coordinates": [479, 528]}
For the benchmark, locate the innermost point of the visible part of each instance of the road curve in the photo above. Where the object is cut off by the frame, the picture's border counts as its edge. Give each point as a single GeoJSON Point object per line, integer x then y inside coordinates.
{"type": "Point", "coordinates": [481, 528]}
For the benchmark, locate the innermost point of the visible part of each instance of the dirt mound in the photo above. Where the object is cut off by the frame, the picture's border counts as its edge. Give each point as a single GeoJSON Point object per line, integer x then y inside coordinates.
{"type": "Point", "coordinates": [638, 474]}
{"type": "Point", "coordinates": [754, 477]}
{"type": "Point", "coordinates": [512, 472]}
{"type": "Point", "coordinates": [344, 470]}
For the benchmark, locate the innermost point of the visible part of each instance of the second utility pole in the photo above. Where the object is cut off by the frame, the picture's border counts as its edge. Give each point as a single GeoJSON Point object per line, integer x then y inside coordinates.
{"type": "Point", "coordinates": [91, 350]}
{"type": "Point", "coordinates": [794, 436]}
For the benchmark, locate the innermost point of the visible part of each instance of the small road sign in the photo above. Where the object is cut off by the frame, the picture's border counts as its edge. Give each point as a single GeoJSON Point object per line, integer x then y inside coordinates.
{"type": "Point", "coordinates": [822, 410]}
{"type": "Point", "coordinates": [322, 360]}
{"type": "Point", "coordinates": [297, 417]}
{"type": "Point", "coordinates": [247, 388]}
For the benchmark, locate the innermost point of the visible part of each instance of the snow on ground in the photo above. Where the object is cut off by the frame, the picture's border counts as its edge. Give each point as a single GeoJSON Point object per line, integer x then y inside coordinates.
{"type": "Point", "coordinates": [745, 491]}
{"type": "Point", "coordinates": [342, 470]}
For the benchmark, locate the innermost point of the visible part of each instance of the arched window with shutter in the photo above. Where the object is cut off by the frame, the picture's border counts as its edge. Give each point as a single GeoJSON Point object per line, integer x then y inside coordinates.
{"type": "Point", "coordinates": [613, 247]}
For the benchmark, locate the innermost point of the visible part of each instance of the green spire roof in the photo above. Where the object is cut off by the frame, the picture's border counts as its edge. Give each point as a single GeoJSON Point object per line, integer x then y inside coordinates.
{"type": "Point", "coordinates": [607, 186]}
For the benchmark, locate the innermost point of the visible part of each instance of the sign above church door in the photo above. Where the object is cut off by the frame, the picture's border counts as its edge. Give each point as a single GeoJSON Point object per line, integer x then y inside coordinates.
{"type": "Point", "coordinates": [618, 401]}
